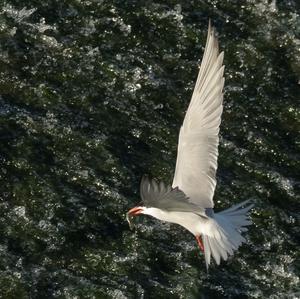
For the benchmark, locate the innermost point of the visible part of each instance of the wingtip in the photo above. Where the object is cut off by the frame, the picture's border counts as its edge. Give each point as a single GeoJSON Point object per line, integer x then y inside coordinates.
{"type": "Point", "coordinates": [211, 28]}
{"type": "Point", "coordinates": [145, 177]}
{"type": "Point", "coordinates": [212, 34]}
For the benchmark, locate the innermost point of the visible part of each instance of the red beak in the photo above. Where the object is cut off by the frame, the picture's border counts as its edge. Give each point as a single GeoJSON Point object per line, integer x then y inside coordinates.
{"type": "Point", "coordinates": [135, 211]}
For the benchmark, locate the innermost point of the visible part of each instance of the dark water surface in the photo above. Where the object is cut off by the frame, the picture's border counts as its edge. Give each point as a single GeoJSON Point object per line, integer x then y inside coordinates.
{"type": "Point", "coordinates": [92, 96]}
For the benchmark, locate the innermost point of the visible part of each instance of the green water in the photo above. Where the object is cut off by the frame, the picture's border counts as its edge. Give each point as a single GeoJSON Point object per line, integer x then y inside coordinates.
{"type": "Point", "coordinates": [92, 97]}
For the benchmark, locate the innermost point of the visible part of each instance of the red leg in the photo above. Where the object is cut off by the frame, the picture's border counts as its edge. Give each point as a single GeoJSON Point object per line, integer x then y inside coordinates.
{"type": "Point", "coordinates": [199, 241]}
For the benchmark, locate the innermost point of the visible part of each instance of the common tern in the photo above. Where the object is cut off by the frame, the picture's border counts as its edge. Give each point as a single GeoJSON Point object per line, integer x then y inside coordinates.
{"type": "Point", "coordinates": [189, 201]}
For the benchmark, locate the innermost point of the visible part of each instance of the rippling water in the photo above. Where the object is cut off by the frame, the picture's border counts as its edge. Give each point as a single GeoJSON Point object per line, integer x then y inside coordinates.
{"type": "Point", "coordinates": [92, 96]}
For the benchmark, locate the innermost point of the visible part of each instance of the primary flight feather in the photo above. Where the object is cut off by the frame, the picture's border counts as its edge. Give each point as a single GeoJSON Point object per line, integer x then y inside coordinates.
{"type": "Point", "coordinates": [189, 201]}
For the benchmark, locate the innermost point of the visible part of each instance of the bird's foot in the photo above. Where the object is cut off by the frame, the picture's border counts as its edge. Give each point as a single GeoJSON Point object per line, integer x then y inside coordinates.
{"type": "Point", "coordinates": [199, 241]}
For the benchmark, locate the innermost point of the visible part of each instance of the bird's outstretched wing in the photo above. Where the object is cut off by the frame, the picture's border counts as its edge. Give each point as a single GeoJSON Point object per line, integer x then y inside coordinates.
{"type": "Point", "coordinates": [158, 195]}
{"type": "Point", "coordinates": [197, 155]}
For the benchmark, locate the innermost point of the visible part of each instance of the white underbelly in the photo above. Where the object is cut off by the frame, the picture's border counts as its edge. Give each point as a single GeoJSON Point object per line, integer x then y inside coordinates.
{"type": "Point", "coordinates": [190, 221]}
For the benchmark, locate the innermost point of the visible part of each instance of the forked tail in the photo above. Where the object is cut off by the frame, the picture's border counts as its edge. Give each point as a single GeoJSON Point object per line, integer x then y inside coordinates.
{"type": "Point", "coordinates": [226, 232]}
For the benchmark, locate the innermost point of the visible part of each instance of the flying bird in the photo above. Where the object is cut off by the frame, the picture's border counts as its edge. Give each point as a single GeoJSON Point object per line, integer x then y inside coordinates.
{"type": "Point", "coordinates": [189, 201]}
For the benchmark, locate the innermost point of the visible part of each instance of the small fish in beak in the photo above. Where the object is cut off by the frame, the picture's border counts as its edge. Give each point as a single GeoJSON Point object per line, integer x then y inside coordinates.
{"type": "Point", "coordinates": [129, 219]}
{"type": "Point", "coordinates": [133, 212]}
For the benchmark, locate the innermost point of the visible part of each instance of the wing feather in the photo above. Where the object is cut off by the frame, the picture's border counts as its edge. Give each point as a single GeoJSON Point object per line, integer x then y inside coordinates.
{"type": "Point", "coordinates": [196, 164]}
{"type": "Point", "coordinates": [158, 195]}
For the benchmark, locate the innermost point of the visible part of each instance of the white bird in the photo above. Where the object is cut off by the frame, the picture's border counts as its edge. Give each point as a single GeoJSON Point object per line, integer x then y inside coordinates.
{"type": "Point", "coordinates": [189, 202]}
